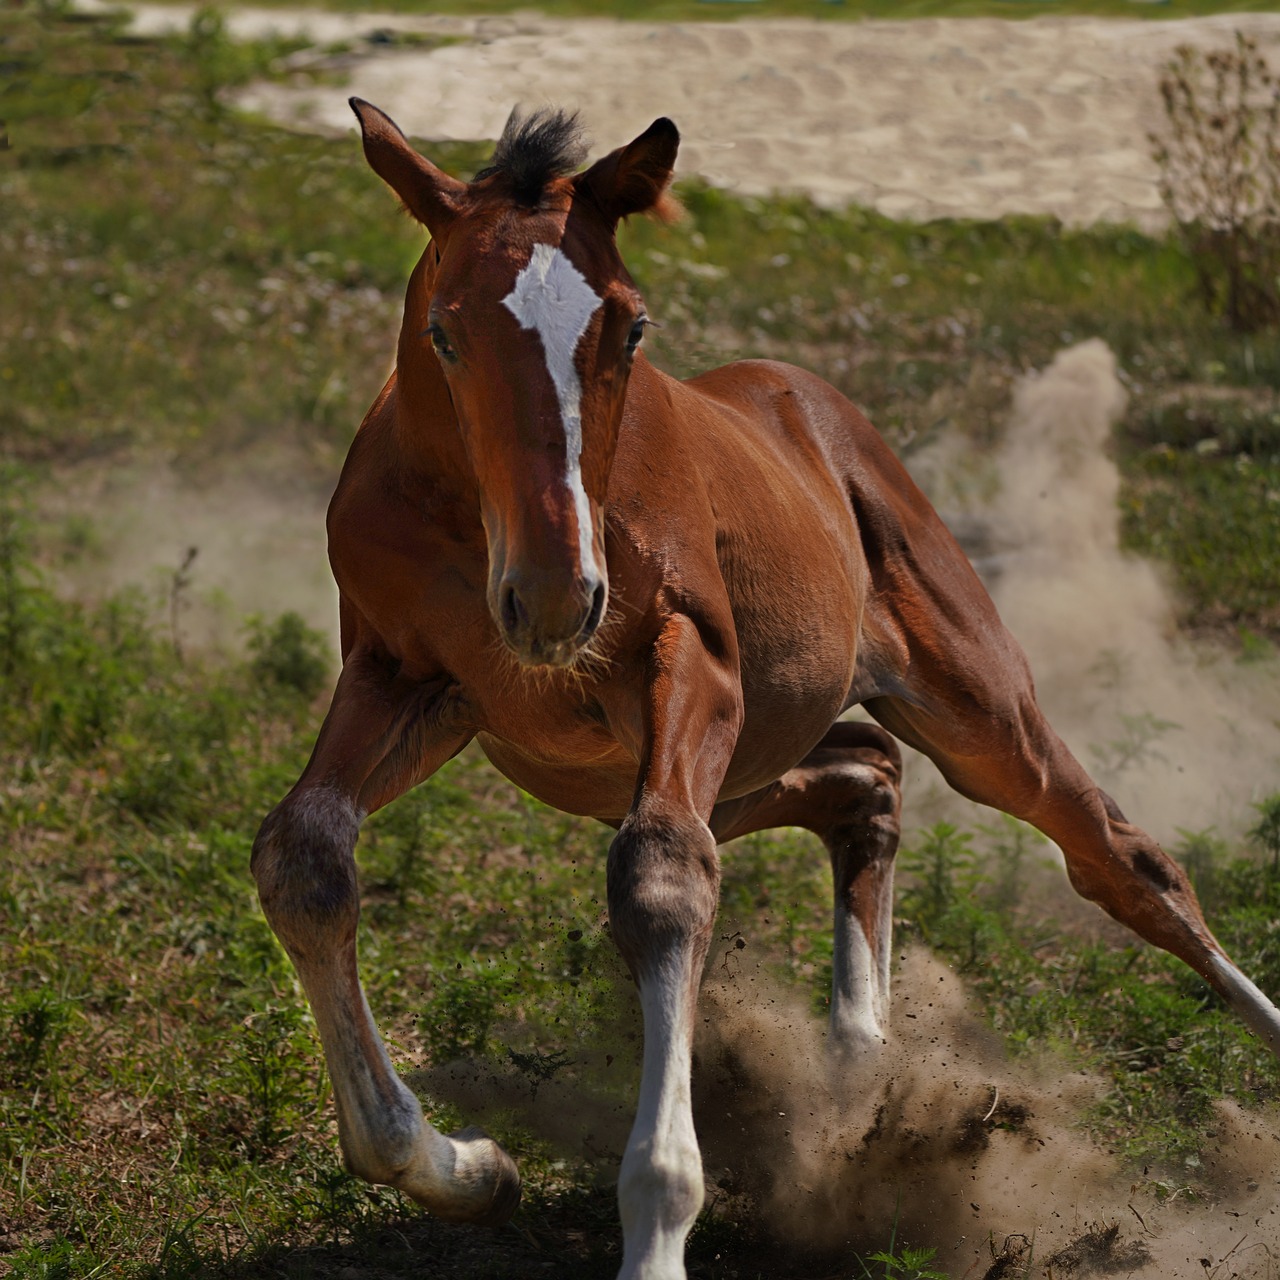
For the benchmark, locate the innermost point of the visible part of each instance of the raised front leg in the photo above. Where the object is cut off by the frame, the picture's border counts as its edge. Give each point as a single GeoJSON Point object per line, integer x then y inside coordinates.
{"type": "Point", "coordinates": [847, 791]}
{"type": "Point", "coordinates": [664, 880]}
{"type": "Point", "coordinates": [382, 736]}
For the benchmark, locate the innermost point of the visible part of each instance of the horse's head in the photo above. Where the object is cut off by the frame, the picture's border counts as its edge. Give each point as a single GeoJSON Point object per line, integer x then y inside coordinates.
{"type": "Point", "coordinates": [534, 322]}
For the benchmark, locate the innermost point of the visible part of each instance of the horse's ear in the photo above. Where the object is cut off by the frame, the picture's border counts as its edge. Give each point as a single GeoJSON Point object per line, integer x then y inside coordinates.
{"type": "Point", "coordinates": [635, 178]}
{"type": "Point", "coordinates": [430, 195]}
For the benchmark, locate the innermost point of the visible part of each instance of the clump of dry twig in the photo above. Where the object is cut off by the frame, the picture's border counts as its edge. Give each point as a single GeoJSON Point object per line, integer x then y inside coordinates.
{"type": "Point", "coordinates": [1220, 176]}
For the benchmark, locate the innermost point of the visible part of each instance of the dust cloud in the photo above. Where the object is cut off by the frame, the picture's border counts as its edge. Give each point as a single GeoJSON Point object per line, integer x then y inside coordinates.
{"type": "Point", "coordinates": [967, 1152]}
{"type": "Point", "coordinates": [945, 1143]}
{"type": "Point", "coordinates": [1181, 732]}
{"type": "Point", "coordinates": [257, 527]}
{"type": "Point", "coordinates": [940, 1142]}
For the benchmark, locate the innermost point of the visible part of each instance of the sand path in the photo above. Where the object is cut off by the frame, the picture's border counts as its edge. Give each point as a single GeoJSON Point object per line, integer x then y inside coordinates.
{"type": "Point", "coordinates": [946, 117]}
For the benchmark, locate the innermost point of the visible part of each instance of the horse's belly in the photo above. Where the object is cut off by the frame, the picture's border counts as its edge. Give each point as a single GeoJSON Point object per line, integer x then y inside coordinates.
{"type": "Point", "coordinates": [789, 702]}
{"type": "Point", "coordinates": [600, 788]}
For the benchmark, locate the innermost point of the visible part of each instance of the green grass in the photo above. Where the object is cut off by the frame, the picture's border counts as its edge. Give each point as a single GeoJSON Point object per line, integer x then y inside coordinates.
{"type": "Point", "coordinates": [176, 279]}
{"type": "Point", "coordinates": [163, 1109]}
{"type": "Point", "coordinates": [185, 282]}
{"type": "Point", "coordinates": [1203, 493]}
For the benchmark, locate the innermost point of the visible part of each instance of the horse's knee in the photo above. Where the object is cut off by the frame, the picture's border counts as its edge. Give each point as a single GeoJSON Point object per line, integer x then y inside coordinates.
{"type": "Point", "coordinates": [1132, 879]}
{"type": "Point", "coordinates": [666, 1188]}
{"type": "Point", "coordinates": [663, 886]}
{"type": "Point", "coordinates": [874, 811]}
{"type": "Point", "coordinates": [862, 815]}
{"type": "Point", "coordinates": [1126, 870]}
{"type": "Point", "coordinates": [852, 784]}
{"type": "Point", "coordinates": [304, 867]}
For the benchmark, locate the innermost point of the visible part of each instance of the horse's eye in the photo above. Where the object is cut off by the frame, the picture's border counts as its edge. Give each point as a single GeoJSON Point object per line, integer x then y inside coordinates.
{"type": "Point", "coordinates": [637, 332]}
{"type": "Point", "coordinates": [443, 347]}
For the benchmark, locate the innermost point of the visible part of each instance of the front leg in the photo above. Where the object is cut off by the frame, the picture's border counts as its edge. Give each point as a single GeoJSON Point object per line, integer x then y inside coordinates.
{"type": "Point", "coordinates": [664, 880]}
{"type": "Point", "coordinates": [382, 735]}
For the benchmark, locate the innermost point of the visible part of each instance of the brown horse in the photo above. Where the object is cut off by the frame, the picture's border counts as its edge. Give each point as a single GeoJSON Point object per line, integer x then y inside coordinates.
{"type": "Point", "coordinates": [649, 601]}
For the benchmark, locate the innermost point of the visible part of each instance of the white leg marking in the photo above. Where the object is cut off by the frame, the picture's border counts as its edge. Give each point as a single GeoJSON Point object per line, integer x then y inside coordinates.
{"type": "Point", "coordinates": [859, 986]}
{"type": "Point", "coordinates": [384, 1135]}
{"type": "Point", "coordinates": [553, 297]}
{"type": "Point", "coordinates": [660, 1185]}
{"type": "Point", "coordinates": [1259, 1014]}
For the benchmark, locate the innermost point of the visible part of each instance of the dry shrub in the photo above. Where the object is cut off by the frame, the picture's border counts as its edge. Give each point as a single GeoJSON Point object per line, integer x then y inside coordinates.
{"type": "Point", "coordinates": [1220, 176]}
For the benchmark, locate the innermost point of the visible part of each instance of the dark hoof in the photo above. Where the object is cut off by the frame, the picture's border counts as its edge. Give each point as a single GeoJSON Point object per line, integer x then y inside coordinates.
{"type": "Point", "coordinates": [506, 1181]}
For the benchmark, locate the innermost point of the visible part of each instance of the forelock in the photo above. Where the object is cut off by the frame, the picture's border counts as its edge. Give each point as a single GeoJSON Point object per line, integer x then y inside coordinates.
{"type": "Point", "coordinates": [535, 147]}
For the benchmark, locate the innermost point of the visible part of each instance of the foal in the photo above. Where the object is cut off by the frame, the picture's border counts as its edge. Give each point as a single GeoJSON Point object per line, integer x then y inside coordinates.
{"type": "Point", "coordinates": [648, 601]}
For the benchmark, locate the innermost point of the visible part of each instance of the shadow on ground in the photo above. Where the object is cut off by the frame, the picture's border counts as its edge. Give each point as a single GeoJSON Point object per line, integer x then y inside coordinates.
{"type": "Point", "coordinates": [574, 1234]}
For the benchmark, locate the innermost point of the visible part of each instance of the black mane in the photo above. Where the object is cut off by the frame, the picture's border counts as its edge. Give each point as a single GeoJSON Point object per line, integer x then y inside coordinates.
{"type": "Point", "coordinates": [535, 147]}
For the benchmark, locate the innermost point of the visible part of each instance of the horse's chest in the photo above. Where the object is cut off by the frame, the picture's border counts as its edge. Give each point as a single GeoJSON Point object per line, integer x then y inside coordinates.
{"type": "Point", "coordinates": [562, 754]}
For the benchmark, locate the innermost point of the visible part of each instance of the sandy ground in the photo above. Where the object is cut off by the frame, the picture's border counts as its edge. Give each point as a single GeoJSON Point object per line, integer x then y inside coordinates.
{"type": "Point", "coordinates": [957, 117]}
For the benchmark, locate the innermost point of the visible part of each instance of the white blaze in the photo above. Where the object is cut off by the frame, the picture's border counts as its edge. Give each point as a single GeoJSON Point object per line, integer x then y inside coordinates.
{"type": "Point", "coordinates": [553, 297]}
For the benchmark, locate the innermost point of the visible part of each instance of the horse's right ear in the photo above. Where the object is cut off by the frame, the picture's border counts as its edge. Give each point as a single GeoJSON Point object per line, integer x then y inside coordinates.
{"type": "Point", "coordinates": [429, 194]}
{"type": "Point", "coordinates": [635, 178]}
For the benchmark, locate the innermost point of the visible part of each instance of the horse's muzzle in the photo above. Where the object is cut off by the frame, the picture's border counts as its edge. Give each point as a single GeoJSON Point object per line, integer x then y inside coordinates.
{"type": "Point", "coordinates": [546, 626]}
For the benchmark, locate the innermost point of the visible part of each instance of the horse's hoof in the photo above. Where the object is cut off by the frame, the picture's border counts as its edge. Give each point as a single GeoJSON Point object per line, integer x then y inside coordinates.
{"type": "Point", "coordinates": [504, 1175]}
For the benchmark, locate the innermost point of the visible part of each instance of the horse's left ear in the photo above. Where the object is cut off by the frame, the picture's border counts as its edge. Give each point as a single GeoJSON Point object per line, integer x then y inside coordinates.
{"type": "Point", "coordinates": [635, 178]}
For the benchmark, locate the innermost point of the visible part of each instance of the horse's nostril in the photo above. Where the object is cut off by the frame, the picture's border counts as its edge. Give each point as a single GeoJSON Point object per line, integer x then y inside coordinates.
{"type": "Point", "coordinates": [513, 612]}
{"type": "Point", "coordinates": [598, 598]}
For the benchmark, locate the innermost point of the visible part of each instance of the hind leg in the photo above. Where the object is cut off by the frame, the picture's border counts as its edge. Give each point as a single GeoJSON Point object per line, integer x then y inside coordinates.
{"type": "Point", "coordinates": [993, 745]}
{"type": "Point", "coordinates": [847, 792]}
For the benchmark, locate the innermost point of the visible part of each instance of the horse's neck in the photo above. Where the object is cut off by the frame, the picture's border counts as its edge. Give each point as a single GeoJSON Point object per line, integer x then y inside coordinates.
{"type": "Point", "coordinates": [425, 436]}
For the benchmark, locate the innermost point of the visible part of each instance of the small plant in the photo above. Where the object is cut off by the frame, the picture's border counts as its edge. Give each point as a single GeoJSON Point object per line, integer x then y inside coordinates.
{"type": "Point", "coordinates": [179, 584]}
{"type": "Point", "coordinates": [60, 1260]}
{"type": "Point", "coordinates": [1266, 831]}
{"type": "Point", "coordinates": [460, 1018]}
{"type": "Point", "coordinates": [1135, 745]}
{"type": "Point", "coordinates": [1011, 842]}
{"type": "Point", "coordinates": [538, 1067]}
{"type": "Point", "coordinates": [910, 1264]}
{"type": "Point", "coordinates": [288, 654]}
{"type": "Point", "coordinates": [943, 869]}
{"type": "Point", "coordinates": [1201, 854]}
{"type": "Point", "coordinates": [1220, 176]}
{"type": "Point", "coordinates": [37, 1024]}
{"type": "Point", "coordinates": [274, 1069]}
